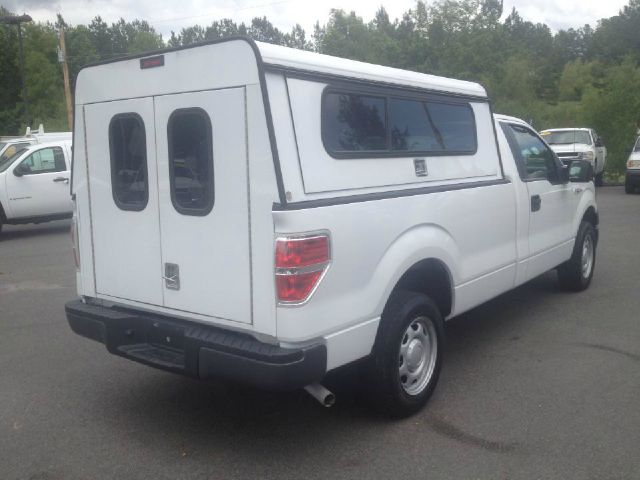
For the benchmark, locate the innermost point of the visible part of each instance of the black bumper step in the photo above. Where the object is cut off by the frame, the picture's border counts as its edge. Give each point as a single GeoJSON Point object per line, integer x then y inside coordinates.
{"type": "Point", "coordinates": [197, 350]}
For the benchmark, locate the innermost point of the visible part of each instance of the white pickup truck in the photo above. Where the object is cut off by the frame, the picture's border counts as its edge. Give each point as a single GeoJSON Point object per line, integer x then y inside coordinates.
{"type": "Point", "coordinates": [265, 215]}
{"type": "Point", "coordinates": [579, 144]}
{"type": "Point", "coordinates": [34, 182]}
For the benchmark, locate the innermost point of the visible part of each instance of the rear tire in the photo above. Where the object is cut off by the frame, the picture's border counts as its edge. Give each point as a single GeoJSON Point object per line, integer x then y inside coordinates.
{"type": "Point", "coordinates": [404, 367]}
{"type": "Point", "coordinates": [575, 275]}
{"type": "Point", "coordinates": [628, 187]}
{"type": "Point", "coordinates": [599, 180]}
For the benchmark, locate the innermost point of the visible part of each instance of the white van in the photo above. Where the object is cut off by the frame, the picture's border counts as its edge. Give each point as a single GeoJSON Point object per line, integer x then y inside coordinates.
{"type": "Point", "coordinates": [266, 215]}
{"type": "Point", "coordinates": [34, 183]}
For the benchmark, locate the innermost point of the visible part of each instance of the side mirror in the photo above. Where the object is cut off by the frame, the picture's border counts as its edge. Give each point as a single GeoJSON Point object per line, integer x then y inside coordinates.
{"type": "Point", "coordinates": [20, 170]}
{"type": "Point", "coordinates": [580, 171]}
{"type": "Point", "coordinates": [564, 174]}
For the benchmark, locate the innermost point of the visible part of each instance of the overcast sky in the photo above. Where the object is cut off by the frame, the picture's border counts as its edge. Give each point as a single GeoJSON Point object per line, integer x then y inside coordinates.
{"type": "Point", "coordinates": [173, 15]}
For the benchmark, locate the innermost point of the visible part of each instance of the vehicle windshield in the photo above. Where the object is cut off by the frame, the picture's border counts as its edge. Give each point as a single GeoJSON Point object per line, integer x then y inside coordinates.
{"type": "Point", "coordinates": [10, 155]}
{"type": "Point", "coordinates": [637, 147]}
{"type": "Point", "coordinates": [567, 137]}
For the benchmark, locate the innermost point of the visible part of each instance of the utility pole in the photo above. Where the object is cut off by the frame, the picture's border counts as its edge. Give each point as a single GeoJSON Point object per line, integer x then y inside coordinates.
{"type": "Point", "coordinates": [62, 58]}
{"type": "Point", "coordinates": [17, 20]}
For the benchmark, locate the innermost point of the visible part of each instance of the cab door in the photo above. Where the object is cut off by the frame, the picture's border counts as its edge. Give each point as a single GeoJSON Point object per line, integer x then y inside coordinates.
{"type": "Point", "coordinates": [551, 202]}
{"type": "Point", "coordinates": [204, 204]}
{"type": "Point", "coordinates": [123, 189]}
{"type": "Point", "coordinates": [38, 184]}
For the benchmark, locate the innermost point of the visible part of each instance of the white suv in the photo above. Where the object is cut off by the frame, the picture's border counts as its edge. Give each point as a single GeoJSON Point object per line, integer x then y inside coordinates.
{"type": "Point", "coordinates": [632, 175]}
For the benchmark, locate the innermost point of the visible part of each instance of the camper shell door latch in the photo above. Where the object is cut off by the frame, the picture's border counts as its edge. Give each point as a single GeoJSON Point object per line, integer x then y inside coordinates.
{"type": "Point", "coordinates": [171, 276]}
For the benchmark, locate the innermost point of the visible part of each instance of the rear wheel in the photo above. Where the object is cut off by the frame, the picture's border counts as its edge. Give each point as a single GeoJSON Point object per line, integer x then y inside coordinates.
{"type": "Point", "coordinates": [599, 180]}
{"type": "Point", "coordinates": [576, 274]}
{"type": "Point", "coordinates": [407, 356]}
{"type": "Point", "coordinates": [628, 187]}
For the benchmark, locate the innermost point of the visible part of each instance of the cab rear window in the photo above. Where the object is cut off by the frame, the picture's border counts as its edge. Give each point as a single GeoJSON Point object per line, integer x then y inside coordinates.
{"type": "Point", "coordinates": [128, 152]}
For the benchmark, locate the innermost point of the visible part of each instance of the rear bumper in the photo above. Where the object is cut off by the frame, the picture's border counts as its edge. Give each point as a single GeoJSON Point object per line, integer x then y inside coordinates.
{"type": "Point", "coordinates": [197, 350]}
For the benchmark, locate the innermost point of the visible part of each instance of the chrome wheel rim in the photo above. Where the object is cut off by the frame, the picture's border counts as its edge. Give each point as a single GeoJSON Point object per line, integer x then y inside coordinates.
{"type": "Point", "coordinates": [587, 256]}
{"type": "Point", "coordinates": [417, 357]}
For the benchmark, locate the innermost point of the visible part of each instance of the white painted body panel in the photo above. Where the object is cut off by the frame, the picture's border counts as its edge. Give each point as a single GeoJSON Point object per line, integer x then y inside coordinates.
{"type": "Point", "coordinates": [485, 235]}
{"type": "Point", "coordinates": [321, 173]}
{"type": "Point", "coordinates": [38, 194]}
{"type": "Point", "coordinates": [212, 251]}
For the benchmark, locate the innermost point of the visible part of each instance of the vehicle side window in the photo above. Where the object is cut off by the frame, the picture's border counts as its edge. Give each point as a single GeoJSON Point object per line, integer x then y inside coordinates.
{"type": "Point", "coordinates": [191, 161]}
{"type": "Point", "coordinates": [536, 160]}
{"type": "Point", "coordinates": [11, 150]}
{"type": "Point", "coordinates": [46, 160]}
{"type": "Point", "coordinates": [354, 122]}
{"type": "Point", "coordinates": [128, 152]}
{"type": "Point", "coordinates": [356, 125]}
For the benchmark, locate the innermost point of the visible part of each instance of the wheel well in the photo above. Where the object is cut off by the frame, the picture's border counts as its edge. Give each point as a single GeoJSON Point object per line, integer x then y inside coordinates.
{"type": "Point", "coordinates": [591, 216]}
{"type": "Point", "coordinates": [432, 278]}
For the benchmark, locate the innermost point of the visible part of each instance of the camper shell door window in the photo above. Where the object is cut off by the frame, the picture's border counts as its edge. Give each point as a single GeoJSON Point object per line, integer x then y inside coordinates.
{"type": "Point", "coordinates": [128, 152]}
{"type": "Point", "coordinates": [363, 125]}
{"type": "Point", "coordinates": [191, 161]}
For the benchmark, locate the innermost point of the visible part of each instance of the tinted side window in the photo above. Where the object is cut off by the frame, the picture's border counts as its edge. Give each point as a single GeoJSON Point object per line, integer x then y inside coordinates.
{"type": "Point", "coordinates": [128, 152]}
{"type": "Point", "coordinates": [412, 128]}
{"type": "Point", "coordinates": [46, 160]}
{"type": "Point", "coordinates": [11, 150]}
{"type": "Point", "coordinates": [191, 161]}
{"type": "Point", "coordinates": [456, 126]}
{"type": "Point", "coordinates": [353, 123]}
{"type": "Point", "coordinates": [423, 126]}
{"type": "Point", "coordinates": [537, 160]}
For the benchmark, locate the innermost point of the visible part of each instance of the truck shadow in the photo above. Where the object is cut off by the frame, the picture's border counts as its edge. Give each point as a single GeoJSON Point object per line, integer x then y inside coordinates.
{"type": "Point", "coordinates": [201, 417]}
{"type": "Point", "coordinates": [13, 232]}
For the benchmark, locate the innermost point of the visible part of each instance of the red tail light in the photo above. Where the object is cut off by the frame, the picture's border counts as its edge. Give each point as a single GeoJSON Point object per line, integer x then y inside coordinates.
{"type": "Point", "coordinates": [300, 264]}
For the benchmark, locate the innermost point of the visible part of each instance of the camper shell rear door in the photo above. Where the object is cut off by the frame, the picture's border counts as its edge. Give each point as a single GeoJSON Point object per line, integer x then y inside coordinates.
{"type": "Point", "coordinates": [169, 201]}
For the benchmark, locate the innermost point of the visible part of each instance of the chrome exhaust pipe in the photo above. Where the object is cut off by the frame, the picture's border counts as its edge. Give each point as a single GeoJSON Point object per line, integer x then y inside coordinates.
{"type": "Point", "coordinates": [321, 394]}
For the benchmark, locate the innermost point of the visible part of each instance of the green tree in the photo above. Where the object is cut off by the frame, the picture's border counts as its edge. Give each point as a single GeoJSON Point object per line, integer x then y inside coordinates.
{"type": "Point", "coordinates": [11, 106]}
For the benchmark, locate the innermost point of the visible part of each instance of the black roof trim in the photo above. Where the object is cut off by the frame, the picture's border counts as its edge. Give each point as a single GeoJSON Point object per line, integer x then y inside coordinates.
{"type": "Point", "coordinates": [369, 197]}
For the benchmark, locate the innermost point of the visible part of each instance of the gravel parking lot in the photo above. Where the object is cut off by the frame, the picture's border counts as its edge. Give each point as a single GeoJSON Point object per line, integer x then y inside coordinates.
{"type": "Point", "coordinates": [536, 384]}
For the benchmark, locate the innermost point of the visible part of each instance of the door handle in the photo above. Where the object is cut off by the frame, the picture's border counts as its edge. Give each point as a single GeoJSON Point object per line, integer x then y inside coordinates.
{"type": "Point", "coordinates": [536, 203]}
{"type": "Point", "coordinates": [578, 190]}
{"type": "Point", "coordinates": [61, 179]}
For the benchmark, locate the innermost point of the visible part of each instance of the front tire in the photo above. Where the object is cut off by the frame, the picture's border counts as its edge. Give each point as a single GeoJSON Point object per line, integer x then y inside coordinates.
{"type": "Point", "coordinates": [403, 370]}
{"type": "Point", "coordinates": [576, 274]}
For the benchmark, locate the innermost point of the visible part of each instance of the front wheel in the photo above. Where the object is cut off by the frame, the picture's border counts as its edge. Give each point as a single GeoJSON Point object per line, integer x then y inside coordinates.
{"type": "Point", "coordinates": [576, 274]}
{"type": "Point", "coordinates": [403, 370]}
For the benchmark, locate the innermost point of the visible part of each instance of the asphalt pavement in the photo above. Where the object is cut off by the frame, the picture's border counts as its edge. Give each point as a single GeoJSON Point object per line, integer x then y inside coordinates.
{"type": "Point", "coordinates": [537, 384]}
